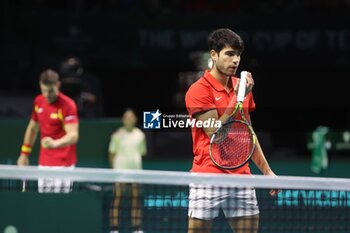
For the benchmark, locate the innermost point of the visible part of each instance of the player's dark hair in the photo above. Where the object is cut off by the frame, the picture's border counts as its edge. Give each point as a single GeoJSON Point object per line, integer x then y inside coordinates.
{"type": "Point", "coordinates": [129, 109]}
{"type": "Point", "coordinates": [222, 37]}
{"type": "Point", "coordinates": [49, 77]}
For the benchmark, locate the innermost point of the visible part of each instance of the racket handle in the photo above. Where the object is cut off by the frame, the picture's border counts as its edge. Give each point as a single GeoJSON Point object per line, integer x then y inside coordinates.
{"type": "Point", "coordinates": [241, 89]}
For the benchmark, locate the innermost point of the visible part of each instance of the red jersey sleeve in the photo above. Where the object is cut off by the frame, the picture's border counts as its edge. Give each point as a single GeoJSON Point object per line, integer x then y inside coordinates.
{"type": "Point", "coordinates": [70, 113]}
{"type": "Point", "coordinates": [251, 102]}
{"type": "Point", "coordinates": [198, 98]}
{"type": "Point", "coordinates": [35, 110]}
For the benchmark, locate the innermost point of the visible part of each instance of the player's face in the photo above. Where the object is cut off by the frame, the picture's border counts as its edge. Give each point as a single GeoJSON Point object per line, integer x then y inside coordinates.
{"type": "Point", "coordinates": [50, 92]}
{"type": "Point", "coordinates": [129, 120]}
{"type": "Point", "coordinates": [227, 61]}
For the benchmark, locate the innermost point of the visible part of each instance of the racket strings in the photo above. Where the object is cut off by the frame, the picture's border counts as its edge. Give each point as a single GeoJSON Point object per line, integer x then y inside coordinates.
{"type": "Point", "coordinates": [233, 145]}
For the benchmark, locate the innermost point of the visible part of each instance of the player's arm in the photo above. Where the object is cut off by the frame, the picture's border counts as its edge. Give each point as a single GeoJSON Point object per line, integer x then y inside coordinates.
{"type": "Point", "coordinates": [111, 159]}
{"type": "Point", "coordinates": [213, 114]}
{"type": "Point", "coordinates": [71, 137]}
{"type": "Point", "coordinates": [112, 150]}
{"type": "Point", "coordinates": [260, 161]}
{"type": "Point", "coordinates": [111, 154]}
{"type": "Point", "coordinates": [210, 114]}
{"type": "Point", "coordinates": [30, 136]}
{"type": "Point", "coordinates": [143, 146]}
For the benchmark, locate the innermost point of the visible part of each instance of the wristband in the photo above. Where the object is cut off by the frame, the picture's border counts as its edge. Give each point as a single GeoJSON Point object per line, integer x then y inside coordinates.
{"type": "Point", "coordinates": [26, 149]}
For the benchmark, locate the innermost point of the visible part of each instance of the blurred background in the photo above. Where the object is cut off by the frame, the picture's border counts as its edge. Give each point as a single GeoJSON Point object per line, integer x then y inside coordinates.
{"type": "Point", "coordinates": [144, 54]}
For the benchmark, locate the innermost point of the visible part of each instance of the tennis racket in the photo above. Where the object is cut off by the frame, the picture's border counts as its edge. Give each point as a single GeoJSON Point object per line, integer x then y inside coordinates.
{"type": "Point", "coordinates": [232, 144]}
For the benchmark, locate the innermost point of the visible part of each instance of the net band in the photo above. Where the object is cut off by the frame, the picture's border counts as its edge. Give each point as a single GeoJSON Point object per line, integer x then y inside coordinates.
{"type": "Point", "coordinates": [176, 177]}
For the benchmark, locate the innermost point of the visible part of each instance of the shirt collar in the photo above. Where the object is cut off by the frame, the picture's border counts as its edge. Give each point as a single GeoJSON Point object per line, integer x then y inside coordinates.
{"type": "Point", "coordinates": [215, 83]}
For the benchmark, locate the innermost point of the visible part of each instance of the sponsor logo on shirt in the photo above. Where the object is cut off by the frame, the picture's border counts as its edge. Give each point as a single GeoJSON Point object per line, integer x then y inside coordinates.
{"type": "Point", "coordinates": [69, 118]}
{"type": "Point", "coordinates": [53, 115]}
{"type": "Point", "coordinates": [38, 109]}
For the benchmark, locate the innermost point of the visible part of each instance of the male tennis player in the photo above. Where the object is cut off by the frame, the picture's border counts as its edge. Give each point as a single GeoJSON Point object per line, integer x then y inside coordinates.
{"type": "Point", "coordinates": [214, 96]}
{"type": "Point", "coordinates": [55, 116]}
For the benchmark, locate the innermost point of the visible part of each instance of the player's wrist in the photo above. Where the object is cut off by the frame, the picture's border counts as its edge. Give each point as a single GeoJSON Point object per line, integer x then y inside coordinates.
{"type": "Point", "coordinates": [269, 172]}
{"type": "Point", "coordinates": [26, 149]}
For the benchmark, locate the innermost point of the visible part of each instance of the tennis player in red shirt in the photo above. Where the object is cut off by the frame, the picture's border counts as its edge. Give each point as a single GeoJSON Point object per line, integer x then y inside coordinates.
{"type": "Point", "coordinates": [55, 116]}
{"type": "Point", "coordinates": [214, 96]}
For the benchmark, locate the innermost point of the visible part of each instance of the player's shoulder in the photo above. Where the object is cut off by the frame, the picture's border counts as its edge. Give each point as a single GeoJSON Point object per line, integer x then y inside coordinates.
{"type": "Point", "coordinates": [115, 134]}
{"type": "Point", "coordinates": [200, 85]}
{"type": "Point", "coordinates": [118, 132]}
{"type": "Point", "coordinates": [200, 82]}
{"type": "Point", "coordinates": [199, 88]}
{"type": "Point", "coordinates": [138, 131]}
{"type": "Point", "coordinates": [39, 99]}
{"type": "Point", "coordinates": [66, 99]}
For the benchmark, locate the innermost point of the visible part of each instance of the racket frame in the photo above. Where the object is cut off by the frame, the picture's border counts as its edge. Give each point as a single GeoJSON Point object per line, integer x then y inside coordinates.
{"type": "Point", "coordinates": [229, 121]}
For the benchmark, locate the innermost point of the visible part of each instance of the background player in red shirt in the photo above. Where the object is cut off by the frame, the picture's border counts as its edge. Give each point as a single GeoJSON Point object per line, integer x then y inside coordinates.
{"type": "Point", "coordinates": [55, 116]}
{"type": "Point", "coordinates": [214, 96]}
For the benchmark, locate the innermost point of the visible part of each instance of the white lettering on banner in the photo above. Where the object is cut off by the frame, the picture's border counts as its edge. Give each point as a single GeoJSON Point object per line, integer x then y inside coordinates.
{"type": "Point", "coordinates": [261, 40]}
{"type": "Point", "coordinates": [313, 198]}
{"type": "Point", "coordinates": [191, 39]}
{"type": "Point", "coordinates": [157, 38]}
{"type": "Point", "coordinates": [338, 39]}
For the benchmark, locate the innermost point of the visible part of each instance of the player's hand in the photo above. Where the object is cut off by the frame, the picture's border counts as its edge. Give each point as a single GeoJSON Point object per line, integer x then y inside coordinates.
{"type": "Point", "coordinates": [48, 142]}
{"type": "Point", "coordinates": [273, 192]}
{"type": "Point", "coordinates": [23, 160]}
{"type": "Point", "coordinates": [249, 84]}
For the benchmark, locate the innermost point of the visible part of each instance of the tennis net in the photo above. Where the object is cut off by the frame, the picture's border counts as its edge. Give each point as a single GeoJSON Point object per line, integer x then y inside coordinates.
{"type": "Point", "coordinates": [78, 200]}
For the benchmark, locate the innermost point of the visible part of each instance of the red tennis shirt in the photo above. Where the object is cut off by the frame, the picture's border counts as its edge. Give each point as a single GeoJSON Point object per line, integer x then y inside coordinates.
{"type": "Point", "coordinates": [206, 94]}
{"type": "Point", "coordinates": [52, 117]}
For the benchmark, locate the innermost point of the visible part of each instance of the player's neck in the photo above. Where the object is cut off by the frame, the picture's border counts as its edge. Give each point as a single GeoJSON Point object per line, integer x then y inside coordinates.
{"type": "Point", "coordinates": [222, 78]}
{"type": "Point", "coordinates": [129, 129]}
